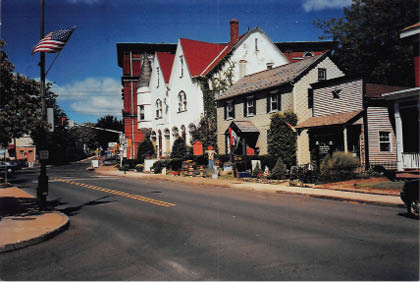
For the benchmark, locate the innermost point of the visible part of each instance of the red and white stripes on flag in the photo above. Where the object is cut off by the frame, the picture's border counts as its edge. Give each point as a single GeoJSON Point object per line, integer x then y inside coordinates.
{"type": "Point", "coordinates": [54, 41]}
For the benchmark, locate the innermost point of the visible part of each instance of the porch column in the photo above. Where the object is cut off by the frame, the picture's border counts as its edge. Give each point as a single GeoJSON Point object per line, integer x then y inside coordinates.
{"type": "Point", "coordinates": [345, 139]}
{"type": "Point", "coordinates": [398, 135]}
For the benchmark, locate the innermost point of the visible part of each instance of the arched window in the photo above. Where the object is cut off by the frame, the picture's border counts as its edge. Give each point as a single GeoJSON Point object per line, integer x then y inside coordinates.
{"type": "Point", "coordinates": [308, 54]}
{"type": "Point", "coordinates": [182, 102]}
{"type": "Point", "coordinates": [158, 108]}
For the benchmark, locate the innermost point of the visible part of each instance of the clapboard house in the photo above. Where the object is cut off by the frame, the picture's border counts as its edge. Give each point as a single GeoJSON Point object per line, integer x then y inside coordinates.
{"type": "Point", "coordinates": [350, 115]}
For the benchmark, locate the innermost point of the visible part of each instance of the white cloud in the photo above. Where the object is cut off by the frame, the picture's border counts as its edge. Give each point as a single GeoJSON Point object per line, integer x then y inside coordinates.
{"type": "Point", "coordinates": [93, 96]}
{"type": "Point", "coordinates": [318, 5]}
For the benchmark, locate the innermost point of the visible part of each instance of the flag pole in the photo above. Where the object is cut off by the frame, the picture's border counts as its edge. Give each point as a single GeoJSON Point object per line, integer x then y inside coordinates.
{"type": "Point", "coordinates": [42, 189]}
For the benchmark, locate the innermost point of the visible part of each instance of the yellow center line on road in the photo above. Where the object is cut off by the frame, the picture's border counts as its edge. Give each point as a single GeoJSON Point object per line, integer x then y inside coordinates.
{"type": "Point", "coordinates": [118, 193]}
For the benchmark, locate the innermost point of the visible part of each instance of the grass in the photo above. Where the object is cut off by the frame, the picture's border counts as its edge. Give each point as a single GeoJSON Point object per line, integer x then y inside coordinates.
{"type": "Point", "coordinates": [381, 185]}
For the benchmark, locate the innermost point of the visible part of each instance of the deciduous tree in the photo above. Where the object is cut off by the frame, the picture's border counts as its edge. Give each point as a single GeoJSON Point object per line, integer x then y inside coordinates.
{"type": "Point", "coordinates": [368, 40]}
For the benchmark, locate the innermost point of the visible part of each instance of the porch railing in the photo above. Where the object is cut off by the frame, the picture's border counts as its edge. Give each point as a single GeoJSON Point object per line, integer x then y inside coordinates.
{"type": "Point", "coordinates": [411, 160]}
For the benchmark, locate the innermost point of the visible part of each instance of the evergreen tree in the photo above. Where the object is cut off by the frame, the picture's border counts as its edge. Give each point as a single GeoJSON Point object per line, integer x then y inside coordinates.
{"type": "Point", "coordinates": [281, 138]}
{"type": "Point", "coordinates": [145, 149]}
{"type": "Point", "coordinates": [369, 43]}
{"type": "Point", "coordinates": [279, 170]}
{"type": "Point", "coordinates": [179, 149]}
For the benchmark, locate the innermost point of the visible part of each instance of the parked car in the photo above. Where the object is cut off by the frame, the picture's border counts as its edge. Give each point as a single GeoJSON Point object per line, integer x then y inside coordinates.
{"type": "Point", "coordinates": [14, 164]}
{"type": "Point", "coordinates": [4, 166]}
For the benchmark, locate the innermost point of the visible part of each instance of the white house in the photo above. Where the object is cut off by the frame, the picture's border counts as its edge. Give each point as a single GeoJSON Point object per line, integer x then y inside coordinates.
{"type": "Point", "coordinates": [169, 95]}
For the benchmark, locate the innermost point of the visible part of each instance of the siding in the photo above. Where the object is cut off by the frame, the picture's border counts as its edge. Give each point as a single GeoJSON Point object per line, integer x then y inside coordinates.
{"type": "Point", "coordinates": [300, 103]}
{"type": "Point", "coordinates": [378, 120]}
{"type": "Point", "coordinates": [261, 120]}
{"type": "Point", "coordinates": [350, 98]}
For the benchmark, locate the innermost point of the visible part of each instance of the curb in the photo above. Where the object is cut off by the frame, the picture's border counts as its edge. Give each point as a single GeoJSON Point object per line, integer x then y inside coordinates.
{"type": "Point", "coordinates": [344, 199]}
{"type": "Point", "coordinates": [37, 240]}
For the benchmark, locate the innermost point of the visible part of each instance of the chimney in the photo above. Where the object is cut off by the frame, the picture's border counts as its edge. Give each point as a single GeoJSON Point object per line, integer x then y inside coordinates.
{"type": "Point", "coordinates": [234, 31]}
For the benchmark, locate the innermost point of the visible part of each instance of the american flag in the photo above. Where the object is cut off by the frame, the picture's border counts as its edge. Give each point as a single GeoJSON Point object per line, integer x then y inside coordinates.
{"type": "Point", "coordinates": [54, 41]}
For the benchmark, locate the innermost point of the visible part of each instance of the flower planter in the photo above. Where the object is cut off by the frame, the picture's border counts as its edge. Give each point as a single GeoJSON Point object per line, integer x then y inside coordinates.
{"type": "Point", "coordinates": [175, 173]}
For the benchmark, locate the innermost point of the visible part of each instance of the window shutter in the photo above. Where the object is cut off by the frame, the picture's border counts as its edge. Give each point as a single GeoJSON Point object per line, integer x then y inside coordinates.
{"type": "Point", "coordinates": [255, 106]}
{"type": "Point", "coordinates": [245, 107]}
{"type": "Point", "coordinates": [268, 102]}
{"type": "Point", "coordinates": [233, 109]}
{"type": "Point", "coordinates": [225, 109]}
{"type": "Point", "coordinates": [279, 101]}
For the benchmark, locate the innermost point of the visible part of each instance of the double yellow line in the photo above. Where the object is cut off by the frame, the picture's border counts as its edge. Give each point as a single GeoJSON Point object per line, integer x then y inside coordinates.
{"type": "Point", "coordinates": [118, 193]}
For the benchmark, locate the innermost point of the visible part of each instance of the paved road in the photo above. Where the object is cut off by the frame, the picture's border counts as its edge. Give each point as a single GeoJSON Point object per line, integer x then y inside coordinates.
{"type": "Point", "coordinates": [127, 229]}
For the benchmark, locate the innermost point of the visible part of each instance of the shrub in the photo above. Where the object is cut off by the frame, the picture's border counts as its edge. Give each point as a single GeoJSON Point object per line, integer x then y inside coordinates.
{"type": "Point", "coordinates": [145, 148]}
{"type": "Point", "coordinates": [279, 171]}
{"type": "Point", "coordinates": [282, 138]}
{"type": "Point", "coordinates": [175, 164]}
{"type": "Point", "coordinates": [159, 165]}
{"type": "Point", "coordinates": [340, 166]}
{"type": "Point", "coordinates": [139, 167]}
{"type": "Point", "coordinates": [179, 149]}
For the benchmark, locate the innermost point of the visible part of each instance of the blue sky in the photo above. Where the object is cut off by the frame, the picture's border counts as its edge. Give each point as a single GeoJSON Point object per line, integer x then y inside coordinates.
{"type": "Point", "coordinates": [86, 75]}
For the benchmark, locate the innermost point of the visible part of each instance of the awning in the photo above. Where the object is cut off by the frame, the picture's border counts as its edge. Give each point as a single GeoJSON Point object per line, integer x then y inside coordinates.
{"type": "Point", "coordinates": [335, 119]}
{"type": "Point", "coordinates": [243, 127]}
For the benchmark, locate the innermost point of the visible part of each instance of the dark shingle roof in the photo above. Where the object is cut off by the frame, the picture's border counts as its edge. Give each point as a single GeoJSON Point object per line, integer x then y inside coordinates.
{"type": "Point", "coordinates": [270, 78]}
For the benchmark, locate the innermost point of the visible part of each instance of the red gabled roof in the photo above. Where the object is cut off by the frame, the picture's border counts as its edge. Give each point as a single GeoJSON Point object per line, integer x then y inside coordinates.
{"type": "Point", "coordinates": [198, 54]}
{"type": "Point", "coordinates": [166, 60]}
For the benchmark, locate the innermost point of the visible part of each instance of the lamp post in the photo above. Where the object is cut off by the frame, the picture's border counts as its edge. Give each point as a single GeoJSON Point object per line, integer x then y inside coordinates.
{"type": "Point", "coordinates": [42, 189]}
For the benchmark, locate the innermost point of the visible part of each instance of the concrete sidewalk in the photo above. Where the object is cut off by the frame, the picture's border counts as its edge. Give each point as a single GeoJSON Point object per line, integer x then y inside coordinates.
{"type": "Point", "coordinates": [319, 192]}
{"type": "Point", "coordinates": [21, 222]}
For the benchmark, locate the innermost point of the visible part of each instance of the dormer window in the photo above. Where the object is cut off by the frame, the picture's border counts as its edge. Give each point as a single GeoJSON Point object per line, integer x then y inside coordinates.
{"type": "Point", "coordinates": [322, 74]}
{"type": "Point", "coordinates": [182, 102]}
{"type": "Point", "coordinates": [181, 61]}
{"type": "Point", "coordinates": [157, 72]}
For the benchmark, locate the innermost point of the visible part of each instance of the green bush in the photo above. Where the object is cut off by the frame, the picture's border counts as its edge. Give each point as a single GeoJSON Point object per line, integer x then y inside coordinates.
{"type": "Point", "coordinates": [139, 167]}
{"type": "Point", "coordinates": [159, 165]}
{"type": "Point", "coordinates": [341, 166]}
{"type": "Point", "coordinates": [145, 149]}
{"type": "Point", "coordinates": [279, 171]}
{"type": "Point", "coordinates": [175, 164]}
{"type": "Point", "coordinates": [179, 149]}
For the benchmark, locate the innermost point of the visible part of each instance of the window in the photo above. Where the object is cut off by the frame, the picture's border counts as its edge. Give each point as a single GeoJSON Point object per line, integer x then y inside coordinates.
{"type": "Point", "coordinates": [275, 102]}
{"type": "Point", "coordinates": [269, 66]}
{"type": "Point", "coordinates": [181, 61]}
{"type": "Point", "coordinates": [385, 141]}
{"type": "Point", "coordinates": [141, 112]}
{"type": "Point", "coordinates": [242, 68]}
{"type": "Point", "coordinates": [157, 71]}
{"type": "Point", "coordinates": [250, 106]}
{"type": "Point", "coordinates": [158, 109]}
{"type": "Point", "coordinates": [182, 102]}
{"type": "Point", "coordinates": [229, 110]}
{"type": "Point", "coordinates": [256, 44]}
{"type": "Point", "coordinates": [308, 54]}
{"type": "Point", "coordinates": [322, 74]}
{"type": "Point", "coordinates": [310, 98]}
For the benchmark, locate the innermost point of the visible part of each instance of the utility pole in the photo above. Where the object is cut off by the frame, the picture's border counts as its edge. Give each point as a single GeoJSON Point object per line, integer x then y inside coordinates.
{"type": "Point", "coordinates": [42, 189]}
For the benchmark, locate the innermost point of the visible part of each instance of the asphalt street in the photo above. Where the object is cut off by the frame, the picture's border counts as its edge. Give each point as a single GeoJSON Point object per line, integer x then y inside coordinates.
{"type": "Point", "coordinates": [130, 229]}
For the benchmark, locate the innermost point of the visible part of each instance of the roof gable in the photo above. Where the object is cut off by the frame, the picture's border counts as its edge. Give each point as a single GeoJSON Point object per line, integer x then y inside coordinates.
{"type": "Point", "coordinates": [198, 54]}
{"type": "Point", "coordinates": [166, 60]}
